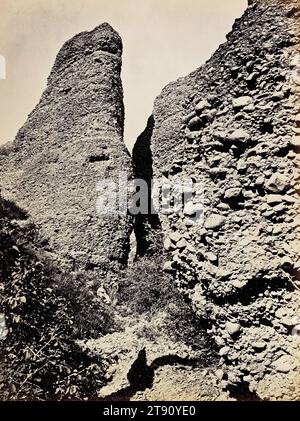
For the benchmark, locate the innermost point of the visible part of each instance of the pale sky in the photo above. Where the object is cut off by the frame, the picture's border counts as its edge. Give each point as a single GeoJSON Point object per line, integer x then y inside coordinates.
{"type": "Point", "coordinates": [162, 39]}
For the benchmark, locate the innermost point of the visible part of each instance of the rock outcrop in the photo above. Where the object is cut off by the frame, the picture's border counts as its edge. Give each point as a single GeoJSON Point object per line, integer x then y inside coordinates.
{"type": "Point", "coordinates": [72, 140]}
{"type": "Point", "coordinates": [230, 125]}
{"type": "Point", "coordinates": [208, 309]}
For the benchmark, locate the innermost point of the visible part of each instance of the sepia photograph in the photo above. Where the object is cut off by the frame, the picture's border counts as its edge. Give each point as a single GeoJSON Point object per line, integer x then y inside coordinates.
{"type": "Point", "coordinates": [149, 203]}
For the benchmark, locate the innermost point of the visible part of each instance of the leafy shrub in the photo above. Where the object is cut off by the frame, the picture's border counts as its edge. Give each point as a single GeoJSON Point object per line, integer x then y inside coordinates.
{"type": "Point", "coordinates": [39, 357]}
{"type": "Point", "coordinates": [94, 318]}
{"type": "Point", "coordinates": [145, 289]}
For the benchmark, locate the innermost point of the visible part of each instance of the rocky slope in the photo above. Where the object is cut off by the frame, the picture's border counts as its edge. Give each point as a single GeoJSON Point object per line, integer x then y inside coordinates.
{"type": "Point", "coordinates": [230, 125]}
{"type": "Point", "coordinates": [73, 139]}
{"type": "Point", "coordinates": [209, 308]}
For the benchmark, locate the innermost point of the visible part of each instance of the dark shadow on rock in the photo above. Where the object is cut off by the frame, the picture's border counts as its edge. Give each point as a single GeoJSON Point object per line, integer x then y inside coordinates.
{"type": "Point", "coordinates": [141, 376]}
{"type": "Point", "coordinates": [9, 209]}
{"type": "Point", "coordinates": [147, 227]}
{"type": "Point", "coordinates": [241, 392]}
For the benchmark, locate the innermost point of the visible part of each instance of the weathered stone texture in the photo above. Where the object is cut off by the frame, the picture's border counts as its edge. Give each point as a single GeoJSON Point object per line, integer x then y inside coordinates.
{"type": "Point", "coordinates": [230, 124]}
{"type": "Point", "coordinates": [72, 139]}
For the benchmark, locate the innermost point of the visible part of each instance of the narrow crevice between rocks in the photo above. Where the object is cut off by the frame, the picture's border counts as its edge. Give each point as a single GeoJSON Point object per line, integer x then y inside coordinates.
{"type": "Point", "coordinates": [147, 228]}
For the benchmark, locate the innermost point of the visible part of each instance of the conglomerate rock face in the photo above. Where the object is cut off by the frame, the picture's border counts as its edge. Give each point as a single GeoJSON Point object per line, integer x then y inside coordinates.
{"type": "Point", "coordinates": [209, 308]}
{"type": "Point", "coordinates": [230, 125]}
{"type": "Point", "coordinates": [72, 140]}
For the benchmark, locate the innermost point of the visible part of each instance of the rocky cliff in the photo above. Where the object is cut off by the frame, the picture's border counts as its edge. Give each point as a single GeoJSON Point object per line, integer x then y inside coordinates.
{"type": "Point", "coordinates": [72, 140]}
{"type": "Point", "coordinates": [208, 308]}
{"type": "Point", "coordinates": [56, 290]}
{"type": "Point", "coordinates": [231, 125]}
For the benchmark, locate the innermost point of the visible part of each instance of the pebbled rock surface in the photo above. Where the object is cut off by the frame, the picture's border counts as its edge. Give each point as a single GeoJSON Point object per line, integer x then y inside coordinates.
{"type": "Point", "coordinates": [71, 140]}
{"type": "Point", "coordinates": [232, 125]}
{"type": "Point", "coordinates": [206, 310]}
